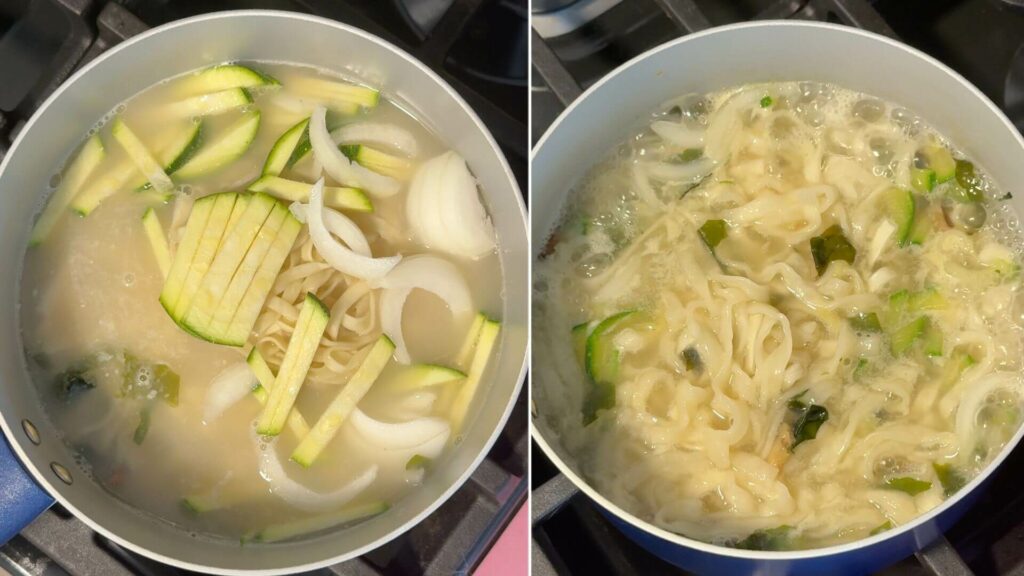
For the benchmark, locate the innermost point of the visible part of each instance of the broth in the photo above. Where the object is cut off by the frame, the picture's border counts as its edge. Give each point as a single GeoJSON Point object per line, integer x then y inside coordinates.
{"type": "Point", "coordinates": [91, 298]}
{"type": "Point", "coordinates": [781, 316]}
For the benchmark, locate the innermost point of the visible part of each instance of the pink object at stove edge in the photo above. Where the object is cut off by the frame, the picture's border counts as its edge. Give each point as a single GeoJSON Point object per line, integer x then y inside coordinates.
{"type": "Point", "coordinates": [511, 552]}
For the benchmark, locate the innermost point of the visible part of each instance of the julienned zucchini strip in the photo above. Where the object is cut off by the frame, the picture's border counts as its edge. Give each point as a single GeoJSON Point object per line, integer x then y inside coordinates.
{"type": "Point", "coordinates": [141, 156]}
{"type": "Point", "coordinates": [89, 157]}
{"type": "Point", "coordinates": [256, 294]}
{"type": "Point", "coordinates": [294, 191]}
{"type": "Point", "coordinates": [282, 150]}
{"type": "Point", "coordinates": [309, 328]}
{"type": "Point", "coordinates": [332, 91]}
{"type": "Point", "coordinates": [484, 346]}
{"type": "Point", "coordinates": [343, 404]}
{"type": "Point", "coordinates": [380, 162]}
{"type": "Point", "coordinates": [210, 104]}
{"type": "Point", "coordinates": [238, 240]}
{"type": "Point", "coordinates": [420, 376]}
{"type": "Point", "coordinates": [288, 530]}
{"type": "Point", "coordinates": [465, 353]}
{"type": "Point", "coordinates": [230, 146]}
{"type": "Point", "coordinates": [231, 252]}
{"type": "Point", "coordinates": [226, 77]}
{"type": "Point", "coordinates": [296, 423]}
{"type": "Point", "coordinates": [157, 240]}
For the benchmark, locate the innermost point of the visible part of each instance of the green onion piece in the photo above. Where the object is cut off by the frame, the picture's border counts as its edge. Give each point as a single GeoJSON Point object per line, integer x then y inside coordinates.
{"type": "Point", "coordinates": [911, 486]}
{"type": "Point", "coordinates": [766, 101]}
{"type": "Point", "coordinates": [692, 360]}
{"type": "Point", "coordinates": [713, 232]}
{"type": "Point", "coordinates": [806, 427]}
{"type": "Point", "coordinates": [950, 478]}
{"type": "Point", "coordinates": [416, 462]}
{"type": "Point", "coordinates": [866, 322]}
{"type": "Point", "coordinates": [887, 525]}
{"type": "Point", "coordinates": [969, 189]}
{"type": "Point", "coordinates": [862, 365]}
{"type": "Point", "coordinates": [767, 539]}
{"type": "Point", "coordinates": [73, 382]}
{"type": "Point", "coordinates": [690, 154]}
{"type": "Point", "coordinates": [831, 246]}
{"type": "Point", "coordinates": [601, 397]}
{"type": "Point", "coordinates": [143, 428]}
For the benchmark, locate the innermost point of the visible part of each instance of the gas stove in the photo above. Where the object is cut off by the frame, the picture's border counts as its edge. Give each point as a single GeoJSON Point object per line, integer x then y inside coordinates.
{"type": "Point", "coordinates": [42, 42]}
{"type": "Point", "coordinates": [575, 43]}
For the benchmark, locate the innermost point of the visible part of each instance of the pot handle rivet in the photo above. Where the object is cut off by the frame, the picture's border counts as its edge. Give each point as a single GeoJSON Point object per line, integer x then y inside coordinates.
{"type": "Point", "coordinates": [61, 473]}
{"type": "Point", "coordinates": [30, 431]}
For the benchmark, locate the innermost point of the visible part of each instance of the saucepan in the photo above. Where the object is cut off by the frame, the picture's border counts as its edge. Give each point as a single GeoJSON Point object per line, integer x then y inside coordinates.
{"type": "Point", "coordinates": [44, 469]}
{"type": "Point", "coordinates": [732, 56]}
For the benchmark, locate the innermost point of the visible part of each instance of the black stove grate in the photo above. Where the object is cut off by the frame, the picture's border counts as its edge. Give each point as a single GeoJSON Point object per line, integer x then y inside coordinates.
{"type": "Point", "coordinates": [570, 536]}
{"type": "Point", "coordinates": [42, 42]}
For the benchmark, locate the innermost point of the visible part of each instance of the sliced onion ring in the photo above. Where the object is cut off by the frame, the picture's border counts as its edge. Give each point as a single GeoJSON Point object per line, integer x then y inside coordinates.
{"type": "Point", "coordinates": [339, 225]}
{"type": "Point", "coordinates": [299, 496]}
{"type": "Point", "coordinates": [338, 166]}
{"type": "Point", "coordinates": [226, 389]}
{"type": "Point", "coordinates": [400, 435]}
{"type": "Point", "coordinates": [387, 135]}
{"type": "Point", "coordinates": [337, 255]}
{"type": "Point", "coordinates": [444, 208]}
{"type": "Point", "coordinates": [430, 273]}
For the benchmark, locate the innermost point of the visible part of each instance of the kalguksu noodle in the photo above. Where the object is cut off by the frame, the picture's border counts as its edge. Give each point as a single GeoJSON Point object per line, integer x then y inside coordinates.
{"type": "Point", "coordinates": [781, 316]}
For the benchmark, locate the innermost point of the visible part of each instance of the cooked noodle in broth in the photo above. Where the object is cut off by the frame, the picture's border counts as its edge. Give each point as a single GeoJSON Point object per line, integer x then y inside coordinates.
{"type": "Point", "coordinates": [781, 316]}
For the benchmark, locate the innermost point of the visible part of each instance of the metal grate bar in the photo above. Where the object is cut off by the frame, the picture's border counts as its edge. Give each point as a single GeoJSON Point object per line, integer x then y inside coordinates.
{"type": "Point", "coordinates": [550, 497]}
{"type": "Point", "coordinates": [603, 534]}
{"type": "Point", "coordinates": [781, 9]}
{"type": "Point", "coordinates": [686, 14]}
{"type": "Point", "coordinates": [554, 73]}
{"type": "Point", "coordinates": [858, 13]}
{"type": "Point", "coordinates": [942, 559]}
{"type": "Point", "coordinates": [435, 48]}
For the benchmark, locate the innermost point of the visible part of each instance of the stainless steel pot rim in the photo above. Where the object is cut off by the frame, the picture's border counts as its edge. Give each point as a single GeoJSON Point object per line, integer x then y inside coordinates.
{"type": "Point", "coordinates": [684, 541]}
{"type": "Point", "coordinates": [42, 479]}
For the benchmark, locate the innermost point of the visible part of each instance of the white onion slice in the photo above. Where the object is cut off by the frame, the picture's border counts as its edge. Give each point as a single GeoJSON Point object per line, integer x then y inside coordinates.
{"type": "Point", "coordinates": [444, 208]}
{"type": "Point", "coordinates": [430, 273]}
{"type": "Point", "coordinates": [688, 172]}
{"type": "Point", "coordinates": [339, 225]}
{"type": "Point", "coordinates": [338, 166]}
{"type": "Point", "coordinates": [299, 496]}
{"type": "Point", "coordinates": [678, 135]}
{"type": "Point", "coordinates": [391, 304]}
{"type": "Point", "coordinates": [435, 275]}
{"type": "Point", "coordinates": [337, 255]}
{"type": "Point", "coordinates": [226, 389]}
{"type": "Point", "coordinates": [387, 135]}
{"type": "Point", "coordinates": [399, 435]}
{"type": "Point", "coordinates": [415, 405]}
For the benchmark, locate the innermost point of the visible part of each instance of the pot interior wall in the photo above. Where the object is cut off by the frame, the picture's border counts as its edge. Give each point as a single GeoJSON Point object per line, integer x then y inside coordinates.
{"type": "Point", "coordinates": [268, 36]}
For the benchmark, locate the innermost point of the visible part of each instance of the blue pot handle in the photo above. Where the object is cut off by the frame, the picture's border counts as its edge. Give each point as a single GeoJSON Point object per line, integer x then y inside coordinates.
{"type": "Point", "coordinates": [21, 499]}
